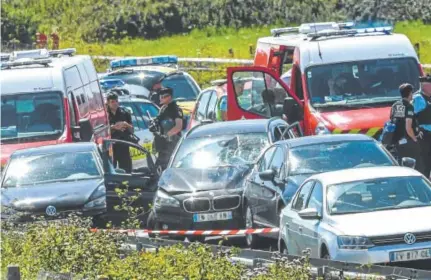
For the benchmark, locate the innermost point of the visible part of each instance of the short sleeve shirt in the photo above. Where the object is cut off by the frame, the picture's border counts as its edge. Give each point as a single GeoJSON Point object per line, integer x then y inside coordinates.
{"type": "Point", "coordinates": [401, 111]}
{"type": "Point", "coordinates": [171, 111]}
{"type": "Point", "coordinates": [120, 116]}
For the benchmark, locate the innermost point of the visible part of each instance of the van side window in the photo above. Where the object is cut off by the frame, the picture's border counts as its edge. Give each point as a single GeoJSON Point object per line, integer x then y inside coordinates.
{"type": "Point", "coordinates": [72, 77]}
{"type": "Point", "coordinates": [97, 94]}
{"type": "Point", "coordinates": [298, 83]}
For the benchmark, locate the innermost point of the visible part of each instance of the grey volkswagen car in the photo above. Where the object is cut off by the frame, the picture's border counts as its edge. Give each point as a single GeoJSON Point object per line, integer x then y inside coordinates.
{"type": "Point", "coordinates": [373, 215]}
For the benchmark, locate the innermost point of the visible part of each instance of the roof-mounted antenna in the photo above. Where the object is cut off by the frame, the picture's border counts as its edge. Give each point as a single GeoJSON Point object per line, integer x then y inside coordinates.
{"type": "Point", "coordinates": [315, 32]}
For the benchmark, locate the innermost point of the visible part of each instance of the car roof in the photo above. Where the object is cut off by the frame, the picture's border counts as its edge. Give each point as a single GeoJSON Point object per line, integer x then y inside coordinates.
{"type": "Point", "coordinates": [336, 49]}
{"type": "Point", "coordinates": [320, 139]}
{"type": "Point", "coordinates": [364, 173]}
{"type": "Point", "coordinates": [230, 127]}
{"type": "Point", "coordinates": [58, 148]}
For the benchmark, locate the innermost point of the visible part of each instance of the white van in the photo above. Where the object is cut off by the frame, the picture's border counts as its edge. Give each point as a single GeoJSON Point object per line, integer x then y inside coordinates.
{"type": "Point", "coordinates": [49, 97]}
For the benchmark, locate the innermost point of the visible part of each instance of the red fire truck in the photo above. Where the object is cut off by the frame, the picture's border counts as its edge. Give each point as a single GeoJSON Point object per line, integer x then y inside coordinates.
{"type": "Point", "coordinates": [332, 77]}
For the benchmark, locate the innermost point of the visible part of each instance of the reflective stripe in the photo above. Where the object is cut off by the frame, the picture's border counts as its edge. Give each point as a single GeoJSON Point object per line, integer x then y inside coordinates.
{"type": "Point", "coordinates": [373, 131]}
{"type": "Point", "coordinates": [370, 132]}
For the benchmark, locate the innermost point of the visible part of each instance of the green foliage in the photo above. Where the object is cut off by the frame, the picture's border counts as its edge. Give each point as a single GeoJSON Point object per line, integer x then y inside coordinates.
{"type": "Point", "coordinates": [128, 205]}
{"type": "Point", "coordinates": [71, 247]}
{"type": "Point", "coordinates": [58, 247]}
{"type": "Point", "coordinates": [95, 20]}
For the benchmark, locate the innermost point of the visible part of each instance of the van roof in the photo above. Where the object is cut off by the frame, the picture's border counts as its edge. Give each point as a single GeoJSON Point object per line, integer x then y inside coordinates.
{"type": "Point", "coordinates": [39, 77]}
{"type": "Point", "coordinates": [345, 48]}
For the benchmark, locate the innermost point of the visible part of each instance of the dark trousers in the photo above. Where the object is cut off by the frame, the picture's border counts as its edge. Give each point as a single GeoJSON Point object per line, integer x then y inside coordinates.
{"type": "Point", "coordinates": [410, 149]}
{"type": "Point", "coordinates": [425, 145]}
{"type": "Point", "coordinates": [122, 157]}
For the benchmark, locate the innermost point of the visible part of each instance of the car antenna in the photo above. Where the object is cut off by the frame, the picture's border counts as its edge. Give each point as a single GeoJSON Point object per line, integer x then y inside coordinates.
{"type": "Point", "coordinates": [315, 32]}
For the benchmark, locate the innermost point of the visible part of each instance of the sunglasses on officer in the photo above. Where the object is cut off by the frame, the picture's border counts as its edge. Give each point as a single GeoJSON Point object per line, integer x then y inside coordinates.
{"type": "Point", "coordinates": [165, 96]}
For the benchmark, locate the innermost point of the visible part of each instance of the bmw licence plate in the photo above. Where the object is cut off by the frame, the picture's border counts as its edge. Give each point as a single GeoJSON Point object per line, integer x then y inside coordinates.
{"type": "Point", "coordinates": [208, 217]}
{"type": "Point", "coordinates": [410, 255]}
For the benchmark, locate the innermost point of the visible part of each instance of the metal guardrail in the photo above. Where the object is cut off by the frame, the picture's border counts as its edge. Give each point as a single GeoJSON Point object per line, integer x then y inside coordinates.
{"type": "Point", "coordinates": [337, 269]}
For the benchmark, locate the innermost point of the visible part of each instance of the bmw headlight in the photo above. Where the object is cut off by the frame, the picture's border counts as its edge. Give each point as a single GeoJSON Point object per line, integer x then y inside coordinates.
{"type": "Point", "coordinates": [321, 129]}
{"type": "Point", "coordinates": [163, 199]}
{"type": "Point", "coordinates": [354, 242]}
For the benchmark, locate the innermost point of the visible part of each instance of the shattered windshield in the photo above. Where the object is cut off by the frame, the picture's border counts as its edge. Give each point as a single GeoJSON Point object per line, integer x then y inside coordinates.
{"type": "Point", "coordinates": [55, 167]}
{"type": "Point", "coordinates": [361, 82]}
{"type": "Point", "coordinates": [222, 150]}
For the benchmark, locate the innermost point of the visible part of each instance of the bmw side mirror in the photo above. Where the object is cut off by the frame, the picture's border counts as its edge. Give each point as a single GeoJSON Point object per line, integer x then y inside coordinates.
{"type": "Point", "coordinates": [310, 214]}
{"type": "Point", "coordinates": [267, 175]}
{"type": "Point", "coordinates": [408, 162]}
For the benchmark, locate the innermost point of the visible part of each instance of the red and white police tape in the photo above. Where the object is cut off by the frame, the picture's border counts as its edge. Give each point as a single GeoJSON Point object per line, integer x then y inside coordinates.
{"type": "Point", "coordinates": [192, 232]}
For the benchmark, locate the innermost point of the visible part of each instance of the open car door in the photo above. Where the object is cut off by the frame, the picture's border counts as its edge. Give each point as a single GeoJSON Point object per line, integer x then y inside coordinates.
{"type": "Point", "coordinates": [256, 92]}
{"type": "Point", "coordinates": [135, 189]}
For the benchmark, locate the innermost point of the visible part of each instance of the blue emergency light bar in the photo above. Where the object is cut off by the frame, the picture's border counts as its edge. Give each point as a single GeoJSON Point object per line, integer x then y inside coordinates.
{"type": "Point", "coordinates": [108, 84]}
{"type": "Point", "coordinates": [142, 61]}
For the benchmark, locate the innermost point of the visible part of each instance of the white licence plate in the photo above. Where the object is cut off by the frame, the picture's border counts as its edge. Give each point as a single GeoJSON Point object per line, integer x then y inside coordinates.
{"type": "Point", "coordinates": [410, 255]}
{"type": "Point", "coordinates": [208, 217]}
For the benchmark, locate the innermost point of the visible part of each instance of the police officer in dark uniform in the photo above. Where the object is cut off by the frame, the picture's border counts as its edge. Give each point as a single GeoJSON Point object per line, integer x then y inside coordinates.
{"type": "Point", "coordinates": [422, 110]}
{"type": "Point", "coordinates": [170, 125]}
{"type": "Point", "coordinates": [406, 131]}
{"type": "Point", "coordinates": [121, 126]}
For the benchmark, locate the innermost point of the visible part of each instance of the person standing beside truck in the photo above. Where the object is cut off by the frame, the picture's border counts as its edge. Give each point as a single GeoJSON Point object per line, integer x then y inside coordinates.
{"type": "Point", "coordinates": [405, 136]}
{"type": "Point", "coordinates": [422, 110]}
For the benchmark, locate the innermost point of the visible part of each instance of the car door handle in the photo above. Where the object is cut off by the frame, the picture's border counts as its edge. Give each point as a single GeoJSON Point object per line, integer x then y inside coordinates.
{"type": "Point", "coordinates": [112, 184]}
{"type": "Point", "coordinates": [300, 228]}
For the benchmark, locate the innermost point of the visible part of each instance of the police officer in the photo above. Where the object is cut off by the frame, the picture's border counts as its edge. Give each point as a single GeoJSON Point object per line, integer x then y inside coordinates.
{"type": "Point", "coordinates": [422, 110]}
{"type": "Point", "coordinates": [406, 131]}
{"type": "Point", "coordinates": [121, 126]}
{"type": "Point", "coordinates": [170, 120]}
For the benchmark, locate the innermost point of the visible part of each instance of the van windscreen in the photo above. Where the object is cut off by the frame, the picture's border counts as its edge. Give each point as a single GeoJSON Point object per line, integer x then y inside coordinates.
{"type": "Point", "coordinates": [360, 82]}
{"type": "Point", "coordinates": [29, 117]}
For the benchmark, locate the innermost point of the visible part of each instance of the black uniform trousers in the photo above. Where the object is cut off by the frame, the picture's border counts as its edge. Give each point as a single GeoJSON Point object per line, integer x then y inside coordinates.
{"type": "Point", "coordinates": [425, 150]}
{"type": "Point", "coordinates": [122, 158]}
{"type": "Point", "coordinates": [410, 149]}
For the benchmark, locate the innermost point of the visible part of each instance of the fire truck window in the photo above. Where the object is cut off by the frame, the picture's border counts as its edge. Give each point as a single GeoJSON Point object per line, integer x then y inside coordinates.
{"type": "Point", "coordinates": [298, 84]}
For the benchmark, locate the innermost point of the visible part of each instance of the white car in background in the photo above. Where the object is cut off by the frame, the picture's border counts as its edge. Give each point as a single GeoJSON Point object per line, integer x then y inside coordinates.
{"type": "Point", "coordinates": [373, 215]}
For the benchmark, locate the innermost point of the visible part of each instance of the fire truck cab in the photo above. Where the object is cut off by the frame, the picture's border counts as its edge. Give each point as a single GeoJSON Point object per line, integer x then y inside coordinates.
{"type": "Point", "coordinates": [333, 77]}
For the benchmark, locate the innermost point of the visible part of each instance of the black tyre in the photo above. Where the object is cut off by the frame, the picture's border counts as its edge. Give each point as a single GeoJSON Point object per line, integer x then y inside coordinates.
{"type": "Point", "coordinates": [253, 241]}
{"type": "Point", "coordinates": [152, 224]}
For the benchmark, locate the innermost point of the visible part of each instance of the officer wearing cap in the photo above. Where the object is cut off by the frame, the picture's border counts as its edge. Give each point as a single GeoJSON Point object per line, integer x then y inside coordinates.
{"type": "Point", "coordinates": [422, 110]}
{"type": "Point", "coordinates": [406, 132]}
{"type": "Point", "coordinates": [170, 120]}
{"type": "Point", "coordinates": [121, 126]}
